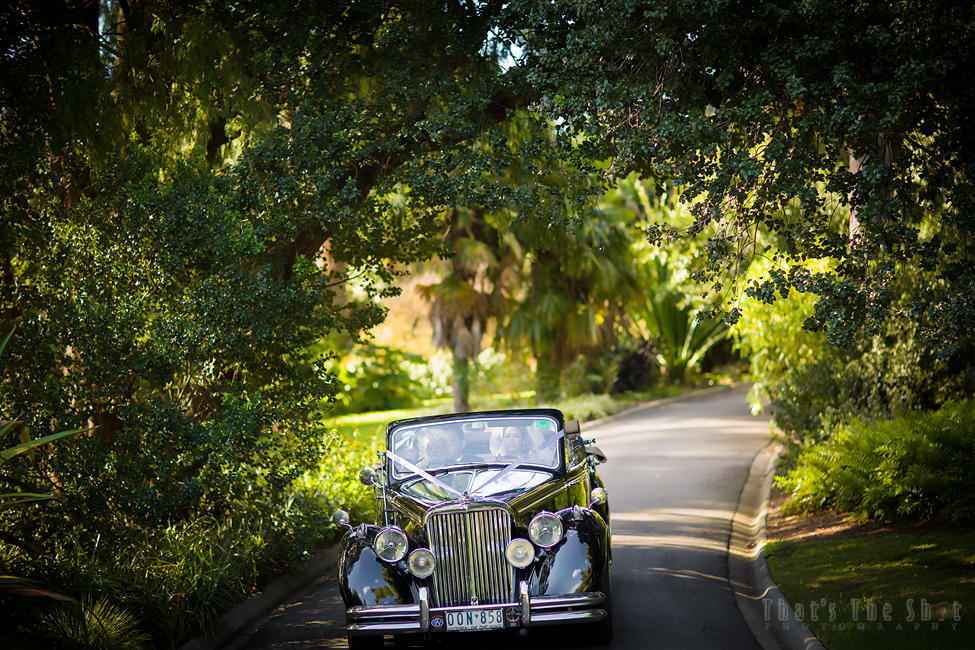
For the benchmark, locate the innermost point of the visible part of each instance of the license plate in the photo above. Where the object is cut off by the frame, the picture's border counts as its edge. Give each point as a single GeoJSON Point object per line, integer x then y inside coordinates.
{"type": "Point", "coordinates": [474, 619]}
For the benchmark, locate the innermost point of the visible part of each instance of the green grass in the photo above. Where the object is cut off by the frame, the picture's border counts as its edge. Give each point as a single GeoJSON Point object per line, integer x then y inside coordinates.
{"type": "Point", "coordinates": [371, 425]}
{"type": "Point", "coordinates": [903, 571]}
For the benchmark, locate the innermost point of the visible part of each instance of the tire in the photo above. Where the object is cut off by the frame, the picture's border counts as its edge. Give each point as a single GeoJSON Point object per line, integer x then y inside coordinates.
{"type": "Point", "coordinates": [601, 632]}
{"type": "Point", "coordinates": [365, 642]}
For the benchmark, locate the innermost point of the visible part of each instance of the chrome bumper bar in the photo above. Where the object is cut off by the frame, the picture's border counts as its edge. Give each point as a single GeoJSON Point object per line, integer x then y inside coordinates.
{"type": "Point", "coordinates": [373, 620]}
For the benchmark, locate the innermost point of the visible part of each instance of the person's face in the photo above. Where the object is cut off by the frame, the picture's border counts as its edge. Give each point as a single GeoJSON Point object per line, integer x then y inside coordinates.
{"type": "Point", "coordinates": [511, 441]}
{"type": "Point", "coordinates": [456, 442]}
{"type": "Point", "coordinates": [434, 446]}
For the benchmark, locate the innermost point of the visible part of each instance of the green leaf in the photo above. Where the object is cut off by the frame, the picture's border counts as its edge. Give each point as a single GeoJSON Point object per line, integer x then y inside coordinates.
{"type": "Point", "coordinates": [7, 454]}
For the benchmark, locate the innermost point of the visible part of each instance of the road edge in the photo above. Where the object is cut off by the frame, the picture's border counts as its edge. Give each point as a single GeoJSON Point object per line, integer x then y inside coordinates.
{"type": "Point", "coordinates": [763, 606]}
{"type": "Point", "coordinates": [228, 625]}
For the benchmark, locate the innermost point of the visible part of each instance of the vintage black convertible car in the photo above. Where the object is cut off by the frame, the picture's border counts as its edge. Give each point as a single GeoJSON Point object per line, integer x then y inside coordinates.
{"type": "Point", "coordinates": [490, 521]}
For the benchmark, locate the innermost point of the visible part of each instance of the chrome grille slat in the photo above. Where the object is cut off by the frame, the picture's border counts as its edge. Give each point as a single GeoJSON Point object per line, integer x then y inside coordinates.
{"type": "Point", "coordinates": [469, 548]}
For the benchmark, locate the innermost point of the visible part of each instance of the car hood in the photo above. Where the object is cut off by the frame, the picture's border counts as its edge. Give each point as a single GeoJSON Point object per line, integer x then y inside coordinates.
{"type": "Point", "coordinates": [494, 483]}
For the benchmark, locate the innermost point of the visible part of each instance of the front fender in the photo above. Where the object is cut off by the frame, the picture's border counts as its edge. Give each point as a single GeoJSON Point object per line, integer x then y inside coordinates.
{"type": "Point", "coordinates": [580, 561]}
{"type": "Point", "coordinates": [364, 579]}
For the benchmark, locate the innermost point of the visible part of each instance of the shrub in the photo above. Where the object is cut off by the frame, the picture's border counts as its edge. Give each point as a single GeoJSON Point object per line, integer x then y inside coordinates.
{"type": "Point", "coordinates": [96, 625]}
{"type": "Point", "coordinates": [888, 375]}
{"type": "Point", "coordinates": [178, 578]}
{"type": "Point", "coordinates": [682, 334]}
{"type": "Point", "coordinates": [635, 368]}
{"type": "Point", "coordinates": [919, 466]}
{"type": "Point", "coordinates": [377, 378]}
{"type": "Point", "coordinates": [585, 407]}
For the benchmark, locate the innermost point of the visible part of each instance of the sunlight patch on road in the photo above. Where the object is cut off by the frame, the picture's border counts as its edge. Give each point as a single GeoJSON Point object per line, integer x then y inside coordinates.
{"type": "Point", "coordinates": [714, 519]}
{"type": "Point", "coordinates": [685, 574]}
{"type": "Point", "coordinates": [670, 541]}
{"type": "Point", "coordinates": [673, 515]}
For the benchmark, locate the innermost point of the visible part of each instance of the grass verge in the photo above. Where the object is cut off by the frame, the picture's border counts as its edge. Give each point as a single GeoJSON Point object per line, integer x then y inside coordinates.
{"type": "Point", "coordinates": [902, 588]}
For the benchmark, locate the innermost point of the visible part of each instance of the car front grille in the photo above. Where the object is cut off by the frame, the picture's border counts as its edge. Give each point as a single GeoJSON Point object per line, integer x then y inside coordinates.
{"type": "Point", "coordinates": [469, 548]}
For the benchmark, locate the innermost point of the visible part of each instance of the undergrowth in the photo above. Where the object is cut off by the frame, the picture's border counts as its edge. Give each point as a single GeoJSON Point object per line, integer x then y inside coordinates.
{"type": "Point", "coordinates": [175, 580]}
{"type": "Point", "coordinates": [919, 466]}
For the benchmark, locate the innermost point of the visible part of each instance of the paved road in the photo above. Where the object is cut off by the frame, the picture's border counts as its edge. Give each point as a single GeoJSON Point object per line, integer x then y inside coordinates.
{"type": "Point", "coordinates": [674, 477]}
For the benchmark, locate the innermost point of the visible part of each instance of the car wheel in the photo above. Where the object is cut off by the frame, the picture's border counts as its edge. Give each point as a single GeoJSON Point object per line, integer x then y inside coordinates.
{"type": "Point", "coordinates": [365, 642]}
{"type": "Point", "coordinates": [601, 633]}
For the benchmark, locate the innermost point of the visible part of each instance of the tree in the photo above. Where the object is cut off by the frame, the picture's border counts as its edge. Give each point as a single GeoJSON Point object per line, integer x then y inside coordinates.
{"type": "Point", "coordinates": [482, 269]}
{"type": "Point", "coordinates": [188, 186]}
{"type": "Point", "coordinates": [579, 282]}
{"type": "Point", "coordinates": [757, 109]}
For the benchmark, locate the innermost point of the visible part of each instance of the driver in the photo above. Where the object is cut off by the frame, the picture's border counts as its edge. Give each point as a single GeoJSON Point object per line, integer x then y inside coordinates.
{"type": "Point", "coordinates": [457, 443]}
{"type": "Point", "coordinates": [434, 446]}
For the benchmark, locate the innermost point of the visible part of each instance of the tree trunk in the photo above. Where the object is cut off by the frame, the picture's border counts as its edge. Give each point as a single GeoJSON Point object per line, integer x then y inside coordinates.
{"type": "Point", "coordinates": [856, 164]}
{"type": "Point", "coordinates": [462, 386]}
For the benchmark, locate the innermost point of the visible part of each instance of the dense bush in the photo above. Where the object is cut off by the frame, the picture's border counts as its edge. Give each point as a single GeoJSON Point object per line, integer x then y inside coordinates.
{"type": "Point", "coordinates": [176, 579]}
{"type": "Point", "coordinates": [377, 378]}
{"type": "Point", "coordinates": [158, 319]}
{"type": "Point", "coordinates": [887, 376]}
{"type": "Point", "coordinates": [635, 368]}
{"type": "Point", "coordinates": [770, 336]}
{"type": "Point", "coordinates": [918, 466]}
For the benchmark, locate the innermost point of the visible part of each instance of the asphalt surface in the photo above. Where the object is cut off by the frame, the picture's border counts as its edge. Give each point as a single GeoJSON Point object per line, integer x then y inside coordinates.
{"type": "Point", "coordinates": [675, 475]}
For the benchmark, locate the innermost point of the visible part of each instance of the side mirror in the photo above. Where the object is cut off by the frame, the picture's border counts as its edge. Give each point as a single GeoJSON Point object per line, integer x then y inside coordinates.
{"type": "Point", "coordinates": [599, 496]}
{"type": "Point", "coordinates": [572, 426]}
{"type": "Point", "coordinates": [341, 518]}
{"type": "Point", "coordinates": [596, 452]}
{"type": "Point", "coordinates": [368, 476]}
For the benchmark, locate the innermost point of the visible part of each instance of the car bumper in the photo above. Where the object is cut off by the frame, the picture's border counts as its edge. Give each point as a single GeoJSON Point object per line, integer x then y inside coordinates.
{"type": "Point", "coordinates": [529, 611]}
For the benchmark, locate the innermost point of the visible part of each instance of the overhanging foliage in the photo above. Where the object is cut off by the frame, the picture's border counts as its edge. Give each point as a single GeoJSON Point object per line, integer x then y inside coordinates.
{"type": "Point", "coordinates": [842, 129]}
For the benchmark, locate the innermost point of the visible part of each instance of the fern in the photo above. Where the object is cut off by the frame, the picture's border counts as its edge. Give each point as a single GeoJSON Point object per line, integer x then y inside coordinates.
{"type": "Point", "coordinates": [919, 466]}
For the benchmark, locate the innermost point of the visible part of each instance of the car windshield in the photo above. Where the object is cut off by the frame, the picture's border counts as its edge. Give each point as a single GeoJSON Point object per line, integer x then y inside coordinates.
{"type": "Point", "coordinates": [427, 448]}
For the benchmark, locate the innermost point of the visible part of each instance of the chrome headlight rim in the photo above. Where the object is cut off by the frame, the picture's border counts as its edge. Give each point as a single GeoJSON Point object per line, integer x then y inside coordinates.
{"type": "Point", "coordinates": [519, 553]}
{"type": "Point", "coordinates": [422, 562]}
{"type": "Point", "coordinates": [391, 544]}
{"type": "Point", "coordinates": [546, 529]}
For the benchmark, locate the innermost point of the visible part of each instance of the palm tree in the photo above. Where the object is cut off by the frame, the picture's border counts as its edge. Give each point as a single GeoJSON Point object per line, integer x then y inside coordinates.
{"type": "Point", "coordinates": [580, 285]}
{"type": "Point", "coordinates": [483, 265]}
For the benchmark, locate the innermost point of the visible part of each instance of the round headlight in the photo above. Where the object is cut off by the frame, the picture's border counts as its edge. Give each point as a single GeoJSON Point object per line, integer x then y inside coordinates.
{"type": "Point", "coordinates": [422, 563]}
{"type": "Point", "coordinates": [391, 544]}
{"type": "Point", "coordinates": [519, 553]}
{"type": "Point", "coordinates": [545, 530]}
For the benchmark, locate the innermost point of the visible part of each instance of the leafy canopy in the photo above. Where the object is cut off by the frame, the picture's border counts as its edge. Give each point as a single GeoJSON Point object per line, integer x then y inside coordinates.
{"type": "Point", "coordinates": [843, 130]}
{"type": "Point", "coordinates": [195, 194]}
{"type": "Point", "coordinates": [190, 189]}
